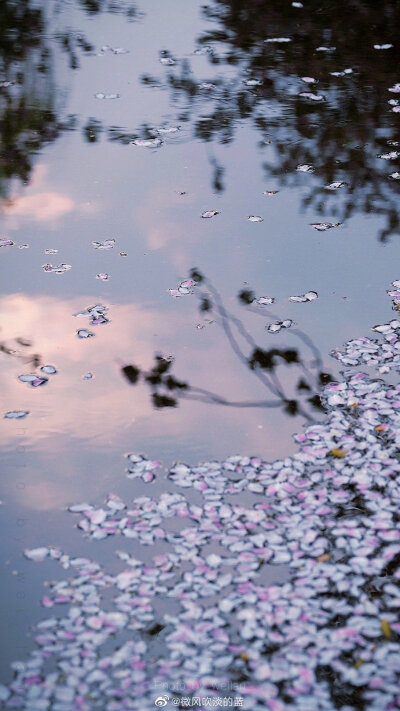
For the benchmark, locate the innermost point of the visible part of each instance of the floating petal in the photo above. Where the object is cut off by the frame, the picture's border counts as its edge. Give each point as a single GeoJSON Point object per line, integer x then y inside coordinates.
{"type": "Point", "coordinates": [209, 213]}
{"type": "Point", "coordinates": [16, 414]}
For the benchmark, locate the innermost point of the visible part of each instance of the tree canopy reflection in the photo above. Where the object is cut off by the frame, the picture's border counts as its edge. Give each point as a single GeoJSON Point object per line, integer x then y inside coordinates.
{"type": "Point", "coordinates": [29, 104]}
{"type": "Point", "coordinates": [261, 82]}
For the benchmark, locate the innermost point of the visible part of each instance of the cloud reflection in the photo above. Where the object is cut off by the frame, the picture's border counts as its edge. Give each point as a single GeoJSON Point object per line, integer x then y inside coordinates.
{"type": "Point", "coordinates": [105, 412]}
{"type": "Point", "coordinates": [39, 204]}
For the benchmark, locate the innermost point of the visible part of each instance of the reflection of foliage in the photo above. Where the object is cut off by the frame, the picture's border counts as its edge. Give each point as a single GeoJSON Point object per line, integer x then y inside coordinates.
{"type": "Point", "coordinates": [33, 359]}
{"type": "Point", "coordinates": [93, 7]}
{"type": "Point", "coordinates": [339, 136]}
{"type": "Point", "coordinates": [28, 104]}
{"type": "Point", "coordinates": [28, 117]}
{"type": "Point", "coordinates": [264, 364]}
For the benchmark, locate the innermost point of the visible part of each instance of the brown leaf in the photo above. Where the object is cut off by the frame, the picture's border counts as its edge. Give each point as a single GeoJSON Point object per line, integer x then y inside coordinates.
{"type": "Point", "coordinates": [323, 558]}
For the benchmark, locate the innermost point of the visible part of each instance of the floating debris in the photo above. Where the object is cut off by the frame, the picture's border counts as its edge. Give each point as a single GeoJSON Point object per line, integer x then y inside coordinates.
{"type": "Point", "coordinates": [185, 287]}
{"type": "Point", "coordinates": [297, 4]}
{"type": "Point", "coordinates": [344, 73]}
{"type": "Point", "coordinates": [205, 49]}
{"type": "Point", "coordinates": [34, 380]}
{"type": "Point", "coordinates": [36, 554]}
{"type": "Point", "coordinates": [141, 467]}
{"type": "Point", "coordinates": [335, 185]}
{"type": "Point", "coordinates": [51, 251]}
{"type": "Point", "coordinates": [114, 50]}
{"type": "Point", "coordinates": [88, 376]}
{"type": "Point", "coordinates": [383, 46]}
{"type": "Point", "coordinates": [147, 142]}
{"type": "Point", "coordinates": [309, 80]}
{"type": "Point", "coordinates": [207, 322]}
{"type": "Point", "coordinates": [305, 168]}
{"type": "Point", "coordinates": [326, 49]}
{"type": "Point", "coordinates": [395, 89]}
{"type": "Point", "coordinates": [279, 39]}
{"type": "Point", "coordinates": [309, 296]}
{"type": "Point", "coordinates": [252, 82]}
{"type": "Point", "coordinates": [100, 95]}
{"type": "Point", "coordinates": [209, 213]}
{"type": "Point", "coordinates": [395, 176]}
{"type": "Point", "coordinates": [48, 369]}
{"type": "Point", "coordinates": [265, 300]}
{"type": "Point", "coordinates": [167, 61]}
{"type": "Point", "coordinates": [6, 243]}
{"type": "Point", "coordinates": [23, 246]}
{"type": "Point", "coordinates": [322, 226]}
{"type": "Point", "coordinates": [57, 269]}
{"type": "Point", "coordinates": [84, 333]}
{"type": "Point", "coordinates": [270, 192]}
{"type": "Point", "coordinates": [96, 313]}
{"type": "Point", "coordinates": [16, 414]}
{"type": "Point", "coordinates": [311, 96]}
{"type": "Point", "coordinates": [123, 254]}
{"type": "Point", "coordinates": [103, 276]}
{"type": "Point", "coordinates": [168, 129]}
{"type": "Point", "coordinates": [107, 244]}
{"type": "Point", "coordinates": [389, 156]}
{"type": "Point", "coordinates": [278, 325]}
{"type": "Point", "coordinates": [255, 218]}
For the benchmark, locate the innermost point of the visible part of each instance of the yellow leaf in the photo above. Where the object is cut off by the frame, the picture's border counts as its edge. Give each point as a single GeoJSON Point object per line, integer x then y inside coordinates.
{"type": "Point", "coordinates": [244, 656]}
{"type": "Point", "coordinates": [385, 627]}
{"type": "Point", "coordinates": [354, 404]}
{"type": "Point", "coordinates": [339, 453]}
{"type": "Point", "coordinates": [359, 663]}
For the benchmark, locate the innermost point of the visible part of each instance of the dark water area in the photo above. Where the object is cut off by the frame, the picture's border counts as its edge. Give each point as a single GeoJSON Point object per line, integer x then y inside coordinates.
{"type": "Point", "coordinates": [121, 125]}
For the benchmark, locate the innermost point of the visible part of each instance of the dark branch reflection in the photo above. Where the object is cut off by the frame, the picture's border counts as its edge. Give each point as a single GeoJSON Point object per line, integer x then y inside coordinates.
{"type": "Point", "coordinates": [265, 364]}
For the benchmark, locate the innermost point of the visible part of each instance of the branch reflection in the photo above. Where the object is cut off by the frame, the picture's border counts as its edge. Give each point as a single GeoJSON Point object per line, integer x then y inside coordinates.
{"type": "Point", "coordinates": [265, 364]}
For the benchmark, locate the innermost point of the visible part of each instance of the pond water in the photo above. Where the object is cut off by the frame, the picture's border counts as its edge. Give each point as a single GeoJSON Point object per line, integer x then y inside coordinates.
{"type": "Point", "coordinates": [255, 143]}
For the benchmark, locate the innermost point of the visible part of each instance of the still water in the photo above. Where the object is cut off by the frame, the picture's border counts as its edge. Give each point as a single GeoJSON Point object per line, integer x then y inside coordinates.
{"type": "Point", "coordinates": [121, 125]}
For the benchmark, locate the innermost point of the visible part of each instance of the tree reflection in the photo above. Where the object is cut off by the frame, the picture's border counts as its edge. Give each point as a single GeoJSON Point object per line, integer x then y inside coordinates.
{"type": "Point", "coordinates": [29, 104]}
{"type": "Point", "coordinates": [265, 365]}
{"type": "Point", "coordinates": [339, 135]}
